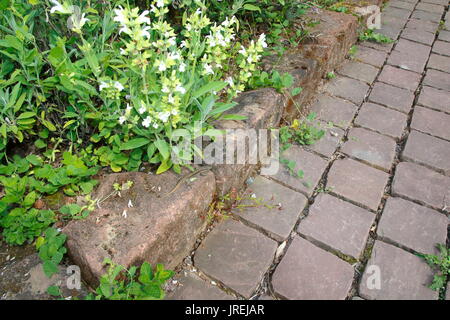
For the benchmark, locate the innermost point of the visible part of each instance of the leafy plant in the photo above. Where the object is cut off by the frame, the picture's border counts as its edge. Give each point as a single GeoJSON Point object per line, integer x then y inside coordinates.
{"type": "Point", "coordinates": [370, 35]}
{"type": "Point", "coordinates": [302, 132]}
{"type": "Point", "coordinates": [51, 250]}
{"type": "Point", "coordinates": [120, 283]}
{"type": "Point", "coordinates": [330, 75]}
{"type": "Point", "coordinates": [441, 264]}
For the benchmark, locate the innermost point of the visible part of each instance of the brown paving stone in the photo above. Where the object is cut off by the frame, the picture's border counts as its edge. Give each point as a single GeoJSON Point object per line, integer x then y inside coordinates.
{"type": "Point", "coordinates": [392, 97]}
{"type": "Point", "coordinates": [422, 25]}
{"type": "Point", "coordinates": [371, 56]}
{"type": "Point", "coordinates": [359, 71]}
{"type": "Point", "coordinates": [357, 182]}
{"type": "Point", "coordinates": [434, 98]}
{"type": "Point", "coordinates": [312, 165]}
{"type": "Point", "coordinates": [236, 255]}
{"type": "Point", "coordinates": [410, 55]}
{"type": "Point", "coordinates": [338, 224]}
{"type": "Point", "coordinates": [333, 109]}
{"type": "Point", "coordinates": [401, 5]}
{"type": "Point", "coordinates": [391, 21]}
{"type": "Point", "coordinates": [427, 16]}
{"type": "Point", "coordinates": [429, 151]}
{"type": "Point", "coordinates": [437, 79]}
{"type": "Point", "coordinates": [406, 46]}
{"type": "Point", "coordinates": [310, 273]}
{"type": "Point", "coordinates": [285, 206]}
{"type": "Point", "coordinates": [391, 31]}
{"type": "Point", "coordinates": [421, 184]}
{"type": "Point", "coordinates": [441, 47]}
{"type": "Point", "coordinates": [441, 2]}
{"type": "Point", "coordinates": [433, 122]}
{"type": "Point", "coordinates": [429, 7]}
{"type": "Point", "coordinates": [192, 287]}
{"type": "Point", "coordinates": [347, 88]}
{"type": "Point", "coordinates": [327, 145]}
{"type": "Point", "coordinates": [386, 47]}
{"type": "Point", "coordinates": [413, 226]}
{"type": "Point", "coordinates": [371, 147]}
{"type": "Point", "coordinates": [444, 35]}
{"type": "Point", "coordinates": [397, 12]}
{"type": "Point", "coordinates": [424, 37]}
{"type": "Point", "coordinates": [381, 119]}
{"type": "Point", "coordinates": [404, 276]}
{"type": "Point", "coordinates": [439, 62]}
{"type": "Point", "coordinates": [400, 78]}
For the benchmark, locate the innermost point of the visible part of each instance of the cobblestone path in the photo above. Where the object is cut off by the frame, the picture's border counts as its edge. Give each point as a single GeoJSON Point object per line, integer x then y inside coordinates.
{"type": "Point", "coordinates": [376, 189]}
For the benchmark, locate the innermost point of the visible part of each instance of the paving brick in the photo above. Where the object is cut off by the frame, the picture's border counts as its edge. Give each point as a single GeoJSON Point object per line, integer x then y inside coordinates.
{"type": "Point", "coordinates": [392, 97]}
{"type": "Point", "coordinates": [413, 226]}
{"type": "Point", "coordinates": [441, 2]}
{"type": "Point", "coordinates": [310, 273]}
{"type": "Point", "coordinates": [429, 151]}
{"type": "Point", "coordinates": [333, 109]}
{"type": "Point", "coordinates": [411, 1]}
{"type": "Point", "coordinates": [429, 7]}
{"type": "Point", "coordinates": [437, 79]}
{"type": "Point", "coordinates": [433, 122]}
{"type": "Point", "coordinates": [409, 55]}
{"type": "Point", "coordinates": [327, 145]}
{"type": "Point", "coordinates": [381, 119]}
{"type": "Point", "coordinates": [422, 25]}
{"type": "Point", "coordinates": [421, 36]}
{"type": "Point", "coordinates": [404, 276]}
{"type": "Point", "coordinates": [391, 31]}
{"type": "Point", "coordinates": [357, 182]}
{"type": "Point", "coordinates": [397, 12]}
{"type": "Point", "coordinates": [427, 16]}
{"type": "Point", "coordinates": [392, 21]}
{"type": "Point", "coordinates": [439, 62]}
{"type": "Point", "coordinates": [434, 98]}
{"type": "Point", "coordinates": [401, 5]}
{"type": "Point", "coordinates": [236, 255]}
{"type": "Point", "coordinates": [444, 35]}
{"type": "Point", "coordinates": [359, 71]}
{"type": "Point", "coordinates": [338, 224]}
{"type": "Point", "coordinates": [441, 47]}
{"type": "Point", "coordinates": [285, 206]}
{"type": "Point", "coordinates": [371, 56]}
{"type": "Point", "coordinates": [386, 47]}
{"type": "Point", "coordinates": [192, 287]}
{"type": "Point", "coordinates": [421, 184]}
{"type": "Point", "coordinates": [370, 147]}
{"type": "Point", "coordinates": [312, 165]}
{"type": "Point", "coordinates": [347, 88]}
{"type": "Point", "coordinates": [400, 78]}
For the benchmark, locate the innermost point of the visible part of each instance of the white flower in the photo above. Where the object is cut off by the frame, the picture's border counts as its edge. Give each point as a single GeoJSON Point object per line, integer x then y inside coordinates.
{"type": "Point", "coordinates": [143, 18]}
{"type": "Point", "coordinates": [243, 51]}
{"type": "Point", "coordinates": [144, 32]}
{"type": "Point", "coordinates": [183, 44]}
{"type": "Point", "coordinates": [58, 7]}
{"type": "Point", "coordinates": [164, 116]}
{"type": "Point", "coordinates": [262, 40]}
{"type": "Point", "coordinates": [142, 110]}
{"type": "Point", "coordinates": [208, 69]}
{"type": "Point", "coordinates": [182, 67]}
{"type": "Point", "coordinates": [123, 51]}
{"type": "Point", "coordinates": [103, 85]}
{"type": "Point", "coordinates": [165, 89]}
{"type": "Point", "coordinates": [124, 214]}
{"type": "Point", "coordinates": [171, 41]}
{"type": "Point", "coordinates": [160, 3]}
{"type": "Point", "coordinates": [121, 16]}
{"type": "Point", "coordinates": [128, 109]}
{"type": "Point", "coordinates": [155, 125]}
{"type": "Point", "coordinates": [77, 22]}
{"type": "Point", "coordinates": [179, 88]}
{"type": "Point", "coordinates": [174, 112]}
{"type": "Point", "coordinates": [122, 119]}
{"type": "Point", "coordinates": [130, 204]}
{"type": "Point", "coordinates": [171, 99]}
{"type": "Point", "coordinates": [162, 66]}
{"type": "Point", "coordinates": [118, 86]}
{"type": "Point", "coordinates": [230, 81]}
{"type": "Point", "coordinates": [147, 121]}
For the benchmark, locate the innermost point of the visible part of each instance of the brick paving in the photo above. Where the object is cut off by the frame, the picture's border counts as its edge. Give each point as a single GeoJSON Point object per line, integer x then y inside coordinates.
{"type": "Point", "coordinates": [375, 191]}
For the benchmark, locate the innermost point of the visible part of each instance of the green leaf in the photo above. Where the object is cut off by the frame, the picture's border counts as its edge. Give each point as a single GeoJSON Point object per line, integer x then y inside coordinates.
{"type": "Point", "coordinates": [34, 160]}
{"type": "Point", "coordinates": [214, 86]}
{"type": "Point", "coordinates": [251, 7]}
{"type": "Point", "coordinates": [50, 268]}
{"type": "Point", "coordinates": [165, 165]}
{"type": "Point", "coordinates": [54, 291]}
{"type": "Point", "coordinates": [163, 148]}
{"type": "Point", "coordinates": [134, 143]}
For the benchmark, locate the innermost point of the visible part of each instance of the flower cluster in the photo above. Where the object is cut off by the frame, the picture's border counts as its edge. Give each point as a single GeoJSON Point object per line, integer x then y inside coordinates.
{"type": "Point", "coordinates": [111, 88]}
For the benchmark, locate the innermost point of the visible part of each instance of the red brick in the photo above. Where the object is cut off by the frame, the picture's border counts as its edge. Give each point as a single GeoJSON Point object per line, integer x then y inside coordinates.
{"type": "Point", "coordinates": [433, 122]}
{"type": "Point", "coordinates": [400, 78]}
{"type": "Point", "coordinates": [435, 99]}
{"type": "Point", "coordinates": [347, 88]}
{"type": "Point", "coordinates": [392, 97]}
{"type": "Point", "coordinates": [437, 79]}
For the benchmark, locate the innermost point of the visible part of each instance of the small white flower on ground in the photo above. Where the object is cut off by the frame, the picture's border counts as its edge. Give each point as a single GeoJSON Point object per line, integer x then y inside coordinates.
{"type": "Point", "coordinates": [180, 89]}
{"type": "Point", "coordinates": [121, 16]}
{"type": "Point", "coordinates": [182, 67]}
{"type": "Point", "coordinates": [142, 110]}
{"type": "Point", "coordinates": [122, 119]}
{"type": "Point", "coordinates": [118, 86]}
{"type": "Point", "coordinates": [147, 121]}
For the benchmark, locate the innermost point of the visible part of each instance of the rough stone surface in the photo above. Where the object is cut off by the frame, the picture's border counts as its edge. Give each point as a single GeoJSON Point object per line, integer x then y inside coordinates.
{"type": "Point", "coordinates": [156, 229]}
{"type": "Point", "coordinates": [329, 142]}
{"type": "Point", "coordinates": [409, 55]}
{"type": "Point", "coordinates": [433, 122]}
{"type": "Point", "coordinates": [444, 35]}
{"type": "Point", "coordinates": [430, 7]}
{"type": "Point", "coordinates": [438, 62]}
{"type": "Point", "coordinates": [333, 109]}
{"type": "Point", "coordinates": [413, 226]}
{"type": "Point", "coordinates": [338, 224]}
{"type": "Point", "coordinates": [434, 99]}
{"type": "Point", "coordinates": [192, 287]}
{"type": "Point", "coordinates": [399, 78]}
{"type": "Point", "coordinates": [357, 182]}
{"type": "Point", "coordinates": [429, 151]}
{"type": "Point", "coordinates": [371, 56]}
{"type": "Point", "coordinates": [421, 184]}
{"type": "Point", "coordinates": [381, 119]}
{"type": "Point", "coordinates": [404, 276]}
{"type": "Point", "coordinates": [437, 79]}
{"type": "Point", "coordinates": [271, 207]}
{"type": "Point", "coordinates": [373, 148]}
{"type": "Point", "coordinates": [347, 88]}
{"type": "Point", "coordinates": [236, 255]}
{"type": "Point", "coordinates": [401, 5]}
{"type": "Point", "coordinates": [422, 25]}
{"type": "Point", "coordinates": [420, 36]}
{"type": "Point", "coordinates": [321, 276]}
{"type": "Point", "coordinates": [386, 47]}
{"type": "Point", "coordinates": [359, 71]}
{"type": "Point", "coordinates": [441, 47]}
{"type": "Point", "coordinates": [397, 12]}
{"type": "Point", "coordinates": [426, 16]}
{"type": "Point", "coordinates": [392, 97]}
{"type": "Point", "coordinates": [312, 165]}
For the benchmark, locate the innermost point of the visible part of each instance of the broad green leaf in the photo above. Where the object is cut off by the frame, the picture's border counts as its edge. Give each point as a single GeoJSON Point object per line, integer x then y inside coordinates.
{"type": "Point", "coordinates": [134, 143]}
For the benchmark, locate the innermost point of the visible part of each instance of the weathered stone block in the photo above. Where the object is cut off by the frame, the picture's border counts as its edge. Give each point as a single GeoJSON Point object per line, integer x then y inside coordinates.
{"type": "Point", "coordinates": [433, 122]}
{"type": "Point", "coordinates": [335, 110]}
{"type": "Point", "coordinates": [392, 97]}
